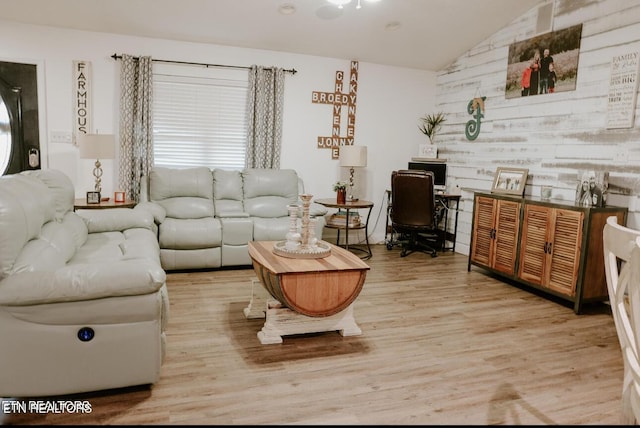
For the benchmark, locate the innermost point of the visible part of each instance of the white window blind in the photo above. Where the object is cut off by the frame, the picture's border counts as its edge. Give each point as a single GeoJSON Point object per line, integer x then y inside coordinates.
{"type": "Point", "coordinates": [199, 117]}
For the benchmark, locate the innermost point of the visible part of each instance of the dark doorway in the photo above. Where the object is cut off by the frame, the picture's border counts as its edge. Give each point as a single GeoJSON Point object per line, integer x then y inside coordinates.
{"type": "Point", "coordinates": [19, 129]}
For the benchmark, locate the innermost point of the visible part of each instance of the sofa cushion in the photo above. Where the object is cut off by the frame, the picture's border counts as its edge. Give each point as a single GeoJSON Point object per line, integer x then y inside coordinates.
{"type": "Point", "coordinates": [270, 229]}
{"type": "Point", "coordinates": [237, 230]}
{"type": "Point", "coordinates": [75, 226]}
{"type": "Point", "coordinates": [26, 204]}
{"type": "Point", "coordinates": [267, 192]}
{"type": "Point", "coordinates": [60, 187]}
{"type": "Point", "coordinates": [59, 238]}
{"type": "Point", "coordinates": [227, 192]}
{"type": "Point", "coordinates": [187, 207]}
{"type": "Point", "coordinates": [83, 281]}
{"type": "Point", "coordinates": [190, 234]}
{"type": "Point", "coordinates": [165, 183]}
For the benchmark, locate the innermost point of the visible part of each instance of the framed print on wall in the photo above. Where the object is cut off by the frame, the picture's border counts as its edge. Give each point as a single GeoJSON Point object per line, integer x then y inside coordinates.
{"type": "Point", "coordinates": [528, 70]}
{"type": "Point", "coordinates": [510, 181]}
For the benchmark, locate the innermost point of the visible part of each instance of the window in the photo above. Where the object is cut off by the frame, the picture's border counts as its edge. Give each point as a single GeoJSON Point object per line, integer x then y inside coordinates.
{"type": "Point", "coordinates": [199, 116]}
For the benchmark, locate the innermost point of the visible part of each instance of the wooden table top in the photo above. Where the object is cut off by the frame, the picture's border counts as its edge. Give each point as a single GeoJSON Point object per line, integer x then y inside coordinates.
{"type": "Point", "coordinates": [81, 204]}
{"type": "Point", "coordinates": [333, 203]}
{"type": "Point", "coordinates": [339, 259]}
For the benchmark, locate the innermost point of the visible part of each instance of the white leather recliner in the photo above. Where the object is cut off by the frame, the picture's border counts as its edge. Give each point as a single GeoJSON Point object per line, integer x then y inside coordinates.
{"type": "Point", "coordinates": [83, 301]}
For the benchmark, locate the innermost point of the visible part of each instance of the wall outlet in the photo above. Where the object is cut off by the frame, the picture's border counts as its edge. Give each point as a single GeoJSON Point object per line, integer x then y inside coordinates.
{"type": "Point", "coordinates": [621, 155]}
{"type": "Point", "coordinates": [63, 137]}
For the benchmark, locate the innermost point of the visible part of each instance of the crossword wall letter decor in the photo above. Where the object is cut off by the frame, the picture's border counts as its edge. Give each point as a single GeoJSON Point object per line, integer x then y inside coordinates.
{"type": "Point", "coordinates": [338, 99]}
{"type": "Point", "coordinates": [472, 130]}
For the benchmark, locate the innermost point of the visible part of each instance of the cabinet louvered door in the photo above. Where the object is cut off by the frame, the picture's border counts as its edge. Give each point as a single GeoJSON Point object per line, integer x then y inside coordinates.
{"type": "Point", "coordinates": [506, 236]}
{"type": "Point", "coordinates": [495, 233]}
{"type": "Point", "coordinates": [533, 253]}
{"type": "Point", "coordinates": [482, 249]}
{"type": "Point", "coordinates": [564, 251]}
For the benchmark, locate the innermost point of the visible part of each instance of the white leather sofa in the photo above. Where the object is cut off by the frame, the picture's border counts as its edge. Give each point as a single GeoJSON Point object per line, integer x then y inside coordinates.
{"type": "Point", "coordinates": [83, 300]}
{"type": "Point", "coordinates": [206, 218]}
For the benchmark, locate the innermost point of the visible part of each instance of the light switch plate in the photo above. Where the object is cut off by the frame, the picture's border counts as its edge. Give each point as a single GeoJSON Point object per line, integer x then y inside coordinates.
{"type": "Point", "coordinates": [63, 137]}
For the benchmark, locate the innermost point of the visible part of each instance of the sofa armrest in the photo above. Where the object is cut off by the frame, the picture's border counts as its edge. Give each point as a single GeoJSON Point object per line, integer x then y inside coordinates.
{"type": "Point", "coordinates": [316, 210]}
{"type": "Point", "coordinates": [157, 211]}
{"type": "Point", "coordinates": [82, 281]}
{"type": "Point", "coordinates": [117, 220]}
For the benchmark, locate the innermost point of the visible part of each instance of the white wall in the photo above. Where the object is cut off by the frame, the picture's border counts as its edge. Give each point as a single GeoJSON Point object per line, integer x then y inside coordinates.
{"type": "Point", "coordinates": [552, 135]}
{"type": "Point", "coordinates": [390, 100]}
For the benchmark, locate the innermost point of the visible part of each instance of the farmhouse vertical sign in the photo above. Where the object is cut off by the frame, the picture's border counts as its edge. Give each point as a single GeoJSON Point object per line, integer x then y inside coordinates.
{"type": "Point", "coordinates": [81, 98]}
{"type": "Point", "coordinates": [623, 87]}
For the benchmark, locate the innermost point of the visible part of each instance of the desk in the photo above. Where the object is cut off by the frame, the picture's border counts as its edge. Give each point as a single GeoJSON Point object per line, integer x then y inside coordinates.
{"type": "Point", "coordinates": [348, 206]}
{"type": "Point", "coordinates": [81, 204]}
{"type": "Point", "coordinates": [447, 200]}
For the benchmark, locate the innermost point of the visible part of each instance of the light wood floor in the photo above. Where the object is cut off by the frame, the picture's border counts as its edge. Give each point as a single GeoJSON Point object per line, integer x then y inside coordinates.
{"type": "Point", "coordinates": [439, 345]}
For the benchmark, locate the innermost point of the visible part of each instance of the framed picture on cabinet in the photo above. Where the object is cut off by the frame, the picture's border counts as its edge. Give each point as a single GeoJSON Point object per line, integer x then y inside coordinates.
{"type": "Point", "coordinates": [510, 181]}
{"type": "Point", "coordinates": [592, 188]}
{"type": "Point", "coordinates": [428, 151]}
{"type": "Point", "coordinates": [118, 196]}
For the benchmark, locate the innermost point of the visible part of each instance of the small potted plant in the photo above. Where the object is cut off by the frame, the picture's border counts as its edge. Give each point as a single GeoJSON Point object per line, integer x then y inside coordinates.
{"type": "Point", "coordinates": [431, 124]}
{"type": "Point", "coordinates": [340, 187]}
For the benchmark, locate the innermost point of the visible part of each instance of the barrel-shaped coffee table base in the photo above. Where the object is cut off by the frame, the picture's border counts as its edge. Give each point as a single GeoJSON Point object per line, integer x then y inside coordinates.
{"type": "Point", "coordinates": [282, 321]}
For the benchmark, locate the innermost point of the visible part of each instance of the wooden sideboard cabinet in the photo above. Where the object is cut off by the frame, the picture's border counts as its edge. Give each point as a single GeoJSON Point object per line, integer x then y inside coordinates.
{"type": "Point", "coordinates": [551, 246]}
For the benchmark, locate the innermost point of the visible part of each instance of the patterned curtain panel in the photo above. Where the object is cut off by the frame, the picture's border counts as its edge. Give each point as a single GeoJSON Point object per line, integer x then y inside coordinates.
{"type": "Point", "coordinates": [136, 136]}
{"type": "Point", "coordinates": [264, 116]}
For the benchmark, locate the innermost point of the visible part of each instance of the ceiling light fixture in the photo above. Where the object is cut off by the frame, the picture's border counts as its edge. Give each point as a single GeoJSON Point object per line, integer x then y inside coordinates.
{"type": "Point", "coordinates": [341, 3]}
{"type": "Point", "coordinates": [392, 26]}
{"type": "Point", "coordinates": [287, 9]}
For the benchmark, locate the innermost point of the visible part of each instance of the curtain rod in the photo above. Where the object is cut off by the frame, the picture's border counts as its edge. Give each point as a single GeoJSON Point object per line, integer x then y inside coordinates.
{"type": "Point", "coordinates": [117, 57]}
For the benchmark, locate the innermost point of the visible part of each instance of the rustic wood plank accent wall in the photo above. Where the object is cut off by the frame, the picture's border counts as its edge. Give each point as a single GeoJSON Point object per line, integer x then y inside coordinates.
{"type": "Point", "coordinates": [553, 135]}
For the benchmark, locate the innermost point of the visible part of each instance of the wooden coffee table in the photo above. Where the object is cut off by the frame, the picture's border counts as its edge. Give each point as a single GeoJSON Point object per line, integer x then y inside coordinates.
{"type": "Point", "coordinates": [307, 295]}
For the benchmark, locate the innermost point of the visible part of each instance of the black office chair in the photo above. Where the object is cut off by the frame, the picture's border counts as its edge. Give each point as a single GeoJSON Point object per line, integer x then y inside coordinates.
{"type": "Point", "coordinates": [414, 215]}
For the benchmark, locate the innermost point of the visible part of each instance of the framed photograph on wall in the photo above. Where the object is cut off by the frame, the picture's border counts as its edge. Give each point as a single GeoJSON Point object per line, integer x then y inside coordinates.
{"type": "Point", "coordinates": [544, 64]}
{"type": "Point", "coordinates": [510, 181]}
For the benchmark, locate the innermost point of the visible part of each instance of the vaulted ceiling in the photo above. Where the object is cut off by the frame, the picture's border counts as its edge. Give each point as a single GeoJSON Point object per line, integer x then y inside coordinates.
{"type": "Point", "coordinates": [422, 34]}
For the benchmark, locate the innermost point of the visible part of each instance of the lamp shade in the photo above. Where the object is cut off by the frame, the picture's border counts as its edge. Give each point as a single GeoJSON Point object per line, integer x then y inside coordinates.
{"type": "Point", "coordinates": [97, 146]}
{"type": "Point", "coordinates": [353, 156]}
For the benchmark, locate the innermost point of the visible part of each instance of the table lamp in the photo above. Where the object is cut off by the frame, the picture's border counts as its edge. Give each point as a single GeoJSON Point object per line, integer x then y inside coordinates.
{"type": "Point", "coordinates": [97, 146]}
{"type": "Point", "coordinates": [353, 157]}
